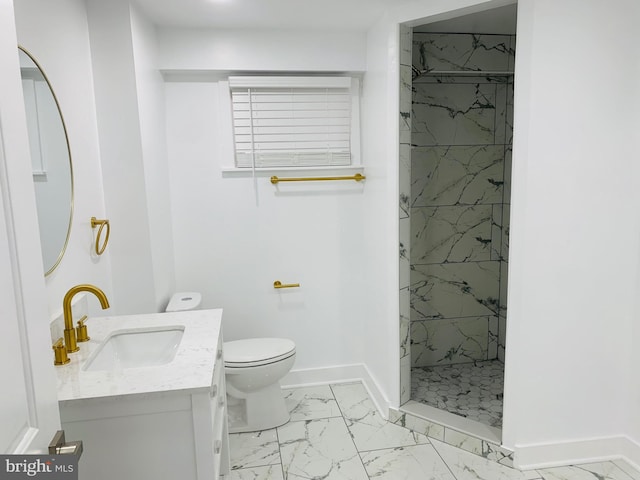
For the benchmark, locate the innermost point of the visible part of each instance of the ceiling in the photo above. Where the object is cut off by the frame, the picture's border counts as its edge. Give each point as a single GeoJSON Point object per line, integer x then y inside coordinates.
{"type": "Point", "coordinates": [332, 15]}
{"type": "Point", "coordinates": [342, 15]}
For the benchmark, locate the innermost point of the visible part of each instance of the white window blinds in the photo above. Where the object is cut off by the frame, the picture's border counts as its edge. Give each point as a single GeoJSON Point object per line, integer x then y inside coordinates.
{"type": "Point", "coordinates": [291, 121]}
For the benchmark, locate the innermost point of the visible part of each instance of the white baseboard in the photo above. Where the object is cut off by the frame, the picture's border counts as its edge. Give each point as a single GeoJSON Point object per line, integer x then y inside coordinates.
{"type": "Point", "coordinates": [527, 457]}
{"type": "Point", "coordinates": [339, 374]}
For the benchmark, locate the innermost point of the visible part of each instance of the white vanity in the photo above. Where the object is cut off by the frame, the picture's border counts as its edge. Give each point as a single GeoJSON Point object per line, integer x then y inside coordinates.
{"type": "Point", "coordinates": [166, 419]}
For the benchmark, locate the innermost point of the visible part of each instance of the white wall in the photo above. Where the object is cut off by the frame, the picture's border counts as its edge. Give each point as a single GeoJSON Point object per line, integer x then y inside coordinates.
{"type": "Point", "coordinates": [57, 35]}
{"type": "Point", "coordinates": [629, 36]}
{"type": "Point", "coordinates": [250, 50]}
{"type": "Point", "coordinates": [150, 95]}
{"type": "Point", "coordinates": [234, 237]}
{"type": "Point", "coordinates": [575, 231]}
{"type": "Point", "coordinates": [123, 156]}
{"type": "Point", "coordinates": [380, 151]}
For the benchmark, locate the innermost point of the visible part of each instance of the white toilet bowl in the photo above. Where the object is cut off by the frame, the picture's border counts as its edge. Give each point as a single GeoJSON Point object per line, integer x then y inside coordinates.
{"type": "Point", "coordinates": [253, 369]}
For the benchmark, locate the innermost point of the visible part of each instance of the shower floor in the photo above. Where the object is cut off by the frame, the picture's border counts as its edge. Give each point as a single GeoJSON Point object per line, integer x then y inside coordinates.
{"type": "Point", "coordinates": [471, 390]}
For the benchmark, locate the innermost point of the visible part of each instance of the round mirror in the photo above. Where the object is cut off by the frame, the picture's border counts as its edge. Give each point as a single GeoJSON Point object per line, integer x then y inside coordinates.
{"type": "Point", "coordinates": [50, 161]}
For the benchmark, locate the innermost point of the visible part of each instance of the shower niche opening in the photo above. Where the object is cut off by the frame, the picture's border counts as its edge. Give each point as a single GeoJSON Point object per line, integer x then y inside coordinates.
{"type": "Point", "coordinates": [456, 116]}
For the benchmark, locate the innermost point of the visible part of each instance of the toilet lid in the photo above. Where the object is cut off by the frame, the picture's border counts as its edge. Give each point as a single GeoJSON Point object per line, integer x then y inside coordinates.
{"type": "Point", "coordinates": [257, 351]}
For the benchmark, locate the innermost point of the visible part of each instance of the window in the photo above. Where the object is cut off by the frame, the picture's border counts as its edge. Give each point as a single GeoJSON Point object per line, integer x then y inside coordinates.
{"type": "Point", "coordinates": [295, 121]}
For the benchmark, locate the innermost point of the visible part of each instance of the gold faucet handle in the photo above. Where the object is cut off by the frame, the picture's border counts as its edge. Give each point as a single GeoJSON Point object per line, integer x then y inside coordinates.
{"type": "Point", "coordinates": [82, 330]}
{"type": "Point", "coordinates": [60, 353]}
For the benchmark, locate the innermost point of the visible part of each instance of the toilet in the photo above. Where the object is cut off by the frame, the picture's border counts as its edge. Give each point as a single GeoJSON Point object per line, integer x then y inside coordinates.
{"type": "Point", "coordinates": [253, 369]}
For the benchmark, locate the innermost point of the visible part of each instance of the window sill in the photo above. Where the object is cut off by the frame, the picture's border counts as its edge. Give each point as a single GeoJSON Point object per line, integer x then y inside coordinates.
{"type": "Point", "coordinates": [311, 171]}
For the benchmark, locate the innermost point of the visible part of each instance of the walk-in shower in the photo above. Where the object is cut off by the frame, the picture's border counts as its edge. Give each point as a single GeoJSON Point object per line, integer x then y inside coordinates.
{"type": "Point", "coordinates": [456, 136]}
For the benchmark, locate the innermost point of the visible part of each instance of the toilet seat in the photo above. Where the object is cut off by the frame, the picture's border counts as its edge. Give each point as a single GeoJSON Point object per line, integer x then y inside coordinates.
{"type": "Point", "coordinates": [254, 352]}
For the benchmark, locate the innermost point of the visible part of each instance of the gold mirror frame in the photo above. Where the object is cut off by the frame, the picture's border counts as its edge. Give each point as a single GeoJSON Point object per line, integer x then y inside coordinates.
{"type": "Point", "coordinates": [66, 135]}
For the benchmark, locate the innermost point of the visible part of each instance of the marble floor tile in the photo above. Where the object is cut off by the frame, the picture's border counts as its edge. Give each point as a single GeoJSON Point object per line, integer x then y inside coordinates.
{"type": "Point", "coordinates": [588, 471]}
{"type": "Point", "coordinates": [319, 449]}
{"type": "Point", "coordinates": [471, 390]}
{"type": "Point", "coordinates": [311, 403]}
{"type": "Point", "coordinates": [406, 463]}
{"type": "Point", "coordinates": [358, 444]}
{"type": "Point", "coordinates": [268, 472]}
{"type": "Point", "coordinates": [254, 449]}
{"type": "Point", "coordinates": [626, 467]}
{"type": "Point", "coordinates": [468, 466]}
{"type": "Point", "coordinates": [367, 427]}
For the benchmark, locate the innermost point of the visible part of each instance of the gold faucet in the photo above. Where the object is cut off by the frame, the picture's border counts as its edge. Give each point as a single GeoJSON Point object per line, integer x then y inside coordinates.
{"type": "Point", "coordinates": [69, 331]}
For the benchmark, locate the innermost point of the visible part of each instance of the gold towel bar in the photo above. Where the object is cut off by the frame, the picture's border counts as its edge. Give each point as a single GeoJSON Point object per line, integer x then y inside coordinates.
{"type": "Point", "coordinates": [358, 177]}
{"type": "Point", "coordinates": [279, 284]}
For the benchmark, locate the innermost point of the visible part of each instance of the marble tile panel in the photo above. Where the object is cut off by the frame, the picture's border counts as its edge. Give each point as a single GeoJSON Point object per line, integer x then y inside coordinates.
{"type": "Point", "coordinates": [406, 97]}
{"type": "Point", "coordinates": [509, 115]}
{"type": "Point", "coordinates": [459, 233]}
{"type": "Point", "coordinates": [448, 341]}
{"type": "Point", "coordinates": [405, 115]}
{"type": "Point", "coordinates": [454, 290]}
{"type": "Point", "coordinates": [319, 449]}
{"type": "Point", "coordinates": [465, 79]}
{"type": "Point", "coordinates": [496, 453]}
{"type": "Point", "coordinates": [453, 114]}
{"type": "Point", "coordinates": [507, 174]}
{"type": "Point", "coordinates": [405, 138]}
{"type": "Point", "coordinates": [405, 379]}
{"type": "Point", "coordinates": [502, 336]}
{"type": "Point", "coordinates": [446, 51]}
{"type": "Point", "coordinates": [404, 172]}
{"type": "Point", "coordinates": [417, 424]}
{"type": "Point", "coordinates": [268, 472]}
{"type": "Point", "coordinates": [588, 471]}
{"type": "Point", "coordinates": [506, 221]}
{"type": "Point", "coordinates": [254, 449]}
{"type": "Point", "coordinates": [369, 430]}
{"type": "Point", "coordinates": [502, 90]}
{"type": "Point", "coordinates": [492, 341]}
{"type": "Point", "coordinates": [405, 337]}
{"type": "Point", "coordinates": [626, 467]}
{"type": "Point", "coordinates": [406, 41]}
{"type": "Point", "coordinates": [504, 288]}
{"type": "Point", "coordinates": [405, 252]}
{"type": "Point", "coordinates": [512, 53]}
{"type": "Point", "coordinates": [406, 463]}
{"type": "Point", "coordinates": [468, 466]}
{"type": "Point", "coordinates": [463, 441]}
{"type": "Point", "coordinates": [457, 175]}
{"type": "Point", "coordinates": [311, 403]}
{"type": "Point", "coordinates": [496, 232]}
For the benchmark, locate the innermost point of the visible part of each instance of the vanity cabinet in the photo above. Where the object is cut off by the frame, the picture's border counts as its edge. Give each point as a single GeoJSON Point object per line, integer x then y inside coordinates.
{"type": "Point", "coordinates": [175, 429]}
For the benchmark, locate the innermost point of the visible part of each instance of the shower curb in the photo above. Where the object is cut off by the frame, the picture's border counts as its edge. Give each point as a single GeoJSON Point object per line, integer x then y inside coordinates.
{"type": "Point", "coordinates": [443, 433]}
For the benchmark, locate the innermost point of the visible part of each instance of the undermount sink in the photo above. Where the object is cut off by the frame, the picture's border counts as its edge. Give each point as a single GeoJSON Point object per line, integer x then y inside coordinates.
{"type": "Point", "coordinates": [136, 347]}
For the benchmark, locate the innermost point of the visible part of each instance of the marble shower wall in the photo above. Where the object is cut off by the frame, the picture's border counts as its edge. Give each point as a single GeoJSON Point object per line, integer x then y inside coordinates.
{"type": "Point", "coordinates": [405, 211]}
{"type": "Point", "coordinates": [457, 206]}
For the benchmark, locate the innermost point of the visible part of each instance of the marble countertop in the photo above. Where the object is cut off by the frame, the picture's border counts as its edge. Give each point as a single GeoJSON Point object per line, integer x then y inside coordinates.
{"type": "Point", "coordinates": [191, 369]}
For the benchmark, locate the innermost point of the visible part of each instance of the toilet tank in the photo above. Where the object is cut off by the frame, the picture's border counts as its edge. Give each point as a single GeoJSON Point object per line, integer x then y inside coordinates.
{"type": "Point", "coordinates": [183, 301]}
